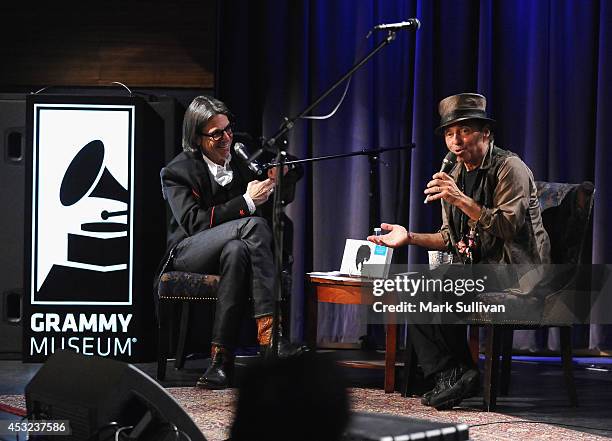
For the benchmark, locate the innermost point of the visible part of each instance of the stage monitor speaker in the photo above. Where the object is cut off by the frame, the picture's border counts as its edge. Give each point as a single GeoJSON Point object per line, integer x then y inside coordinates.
{"type": "Point", "coordinates": [98, 396]}
{"type": "Point", "coordinates": [171, 112]}
{"type": "Point", "coordinates": [12, 181]}
{"type": "Point", "coordinates": [380, 427]}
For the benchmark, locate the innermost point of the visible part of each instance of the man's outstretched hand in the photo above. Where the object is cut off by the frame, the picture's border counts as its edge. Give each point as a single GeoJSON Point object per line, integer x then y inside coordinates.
{"type": "Point", "coordinates": [396, 237]}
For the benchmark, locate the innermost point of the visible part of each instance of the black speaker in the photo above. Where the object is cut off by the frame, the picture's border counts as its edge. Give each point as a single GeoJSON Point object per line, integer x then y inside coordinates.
{"type": "Point", "coordinates": [12, 185]}
{"type": "Point", "coordinates": [379, 427]}
{"type": "Point", "coordinates": [171, 112]}
{"type": "Point", "coordinates": [98, 396]}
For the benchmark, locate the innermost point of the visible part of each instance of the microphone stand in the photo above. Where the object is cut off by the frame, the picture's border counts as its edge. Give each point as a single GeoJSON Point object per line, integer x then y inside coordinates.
{"type": "Point", "coordinates": [278, 225]}
{"type": "Point", "coordinates": [288, 123]}
{"type": "Point", "coordinates": [364, 152]}
{"type": "Point", "coordinates": [280, 162]}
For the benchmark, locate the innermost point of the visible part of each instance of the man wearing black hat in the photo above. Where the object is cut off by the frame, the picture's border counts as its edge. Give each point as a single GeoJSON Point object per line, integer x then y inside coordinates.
{"type": "Point", "coordinates": [490, 214]}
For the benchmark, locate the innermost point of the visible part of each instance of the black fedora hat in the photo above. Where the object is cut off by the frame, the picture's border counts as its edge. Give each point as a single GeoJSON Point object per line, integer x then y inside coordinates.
{"type": "Point", "coordinates": [462, 107]}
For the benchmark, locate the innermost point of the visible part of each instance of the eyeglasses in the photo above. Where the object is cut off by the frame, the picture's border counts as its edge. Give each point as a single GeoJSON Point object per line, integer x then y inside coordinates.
{"type": "Point", "coordinates": [218, 134]}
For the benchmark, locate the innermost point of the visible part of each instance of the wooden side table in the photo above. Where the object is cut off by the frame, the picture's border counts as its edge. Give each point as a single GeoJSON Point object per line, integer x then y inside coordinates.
{"type": "Point", "coordinates": [347, 291]}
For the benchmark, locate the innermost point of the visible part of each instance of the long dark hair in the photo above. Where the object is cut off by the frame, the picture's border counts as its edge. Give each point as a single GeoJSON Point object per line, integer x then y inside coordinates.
{"type": "Point", "coordinates": [201, 109]}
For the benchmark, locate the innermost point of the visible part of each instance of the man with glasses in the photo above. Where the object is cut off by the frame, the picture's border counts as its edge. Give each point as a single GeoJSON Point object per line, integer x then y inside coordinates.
{"type": "Point", "coordinates": [216, 228]}
{"type": "Point", "coordinates": [490, 214]}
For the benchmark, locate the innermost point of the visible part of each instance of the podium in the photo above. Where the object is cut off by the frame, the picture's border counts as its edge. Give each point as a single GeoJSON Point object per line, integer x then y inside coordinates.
{"type": "Point", "coordinates": [95, 226]}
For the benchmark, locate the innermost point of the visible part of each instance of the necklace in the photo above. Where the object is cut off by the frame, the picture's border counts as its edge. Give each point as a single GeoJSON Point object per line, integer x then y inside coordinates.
{"type": "Point", "coordinates": [467, 244]}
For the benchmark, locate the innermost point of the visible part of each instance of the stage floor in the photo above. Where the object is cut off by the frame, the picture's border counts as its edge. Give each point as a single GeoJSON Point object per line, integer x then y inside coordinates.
{"type": "Point", "coordinates": [537, 392]}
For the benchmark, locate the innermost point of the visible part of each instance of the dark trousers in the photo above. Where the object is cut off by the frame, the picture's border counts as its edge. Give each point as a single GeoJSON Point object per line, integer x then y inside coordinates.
{"type": "Point", "coordinates": [440, 347]}
{"type": "Point", "coordinates": [240, 251]}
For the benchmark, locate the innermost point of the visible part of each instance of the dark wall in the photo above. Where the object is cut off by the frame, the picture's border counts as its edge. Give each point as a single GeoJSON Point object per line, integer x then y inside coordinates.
{"type": "Point", "coordinates": [139, 43]}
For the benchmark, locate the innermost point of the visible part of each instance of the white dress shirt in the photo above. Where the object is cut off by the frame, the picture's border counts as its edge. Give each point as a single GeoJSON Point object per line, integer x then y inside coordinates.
{"type": "Point", "coordinates": [223, 175]}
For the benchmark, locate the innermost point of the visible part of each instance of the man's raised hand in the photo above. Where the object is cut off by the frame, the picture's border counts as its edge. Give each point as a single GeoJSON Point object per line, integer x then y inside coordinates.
{"type": "Point", "coordinates": [260, 191]}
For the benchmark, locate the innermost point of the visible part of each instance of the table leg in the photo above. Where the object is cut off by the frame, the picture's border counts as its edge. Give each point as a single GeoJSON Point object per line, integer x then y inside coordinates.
{"type": "Point", "coordinates": [390, 353]}
{"type": "Point", "coordinates": [474, 342]}
{"type": "Point", "coordinates": [311, 317]}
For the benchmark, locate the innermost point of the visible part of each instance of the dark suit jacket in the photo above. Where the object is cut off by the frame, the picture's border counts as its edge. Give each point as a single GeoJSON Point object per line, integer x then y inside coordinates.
{"type": "Point", "coordinates": [189, 189]}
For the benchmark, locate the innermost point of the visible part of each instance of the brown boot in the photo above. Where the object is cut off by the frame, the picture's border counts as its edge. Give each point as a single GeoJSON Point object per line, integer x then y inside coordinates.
{"type": "Point", "coordinates": [217, 376]}
{"type": "Point", "coordinates": [264, 338]}
{"type": "Point", "coordinates": [264, 330]}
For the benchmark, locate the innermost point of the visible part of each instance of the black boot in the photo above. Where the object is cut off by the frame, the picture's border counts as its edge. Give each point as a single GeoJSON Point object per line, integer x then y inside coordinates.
{"type": "Point", "coordinates": [427, 396]}
{"type": "Point", "coordinates": [264, 336]}
{"type": "Point", "coordinates": [287, 349]}
{"type": "Point", "coordinates": [439, 384]}
{"type": "Point", "coordinates": [453, 386]}
{"type": "Point", "coordinates": [217, 376]}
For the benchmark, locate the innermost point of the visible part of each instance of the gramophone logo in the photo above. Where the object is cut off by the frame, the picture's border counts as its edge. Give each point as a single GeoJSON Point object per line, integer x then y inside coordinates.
{"type": "Point", "coordinates": [82, 204]}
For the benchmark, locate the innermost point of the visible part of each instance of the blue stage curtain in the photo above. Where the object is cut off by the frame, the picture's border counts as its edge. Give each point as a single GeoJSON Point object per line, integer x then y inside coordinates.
{"type": "Point", "coordinates": [544, 66]}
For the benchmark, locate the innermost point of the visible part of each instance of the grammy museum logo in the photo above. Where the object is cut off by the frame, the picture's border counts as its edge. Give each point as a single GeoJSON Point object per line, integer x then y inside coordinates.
{"type": "Point", "coordinates": [82, 230]}
{"type": "Point", "coordinates": [82, 180]}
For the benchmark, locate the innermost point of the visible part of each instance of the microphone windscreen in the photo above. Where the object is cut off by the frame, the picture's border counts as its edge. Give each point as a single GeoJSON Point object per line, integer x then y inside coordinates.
{"type": "Point", "coordinates": [240, 151]}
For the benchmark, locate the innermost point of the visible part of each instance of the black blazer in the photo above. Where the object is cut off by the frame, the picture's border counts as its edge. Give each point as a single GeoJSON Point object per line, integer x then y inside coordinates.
{"type": "Point", "coordinates": [187, 186]}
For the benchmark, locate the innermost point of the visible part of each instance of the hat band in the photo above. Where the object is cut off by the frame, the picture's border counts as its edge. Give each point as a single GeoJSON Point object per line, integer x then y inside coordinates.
{"type": "Point", "coordinates": [463, 114]}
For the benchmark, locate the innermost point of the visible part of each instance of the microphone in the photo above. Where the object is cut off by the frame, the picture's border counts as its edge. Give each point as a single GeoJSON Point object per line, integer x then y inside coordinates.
{"type": "Point", "coordinates": [242, 154]}
{"type": "Point", "coordinates": [411, 24]}
{"type": "Point", "coordinates": [448, 162]}
{"type": "Point", "coordinates": [447, 165]}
